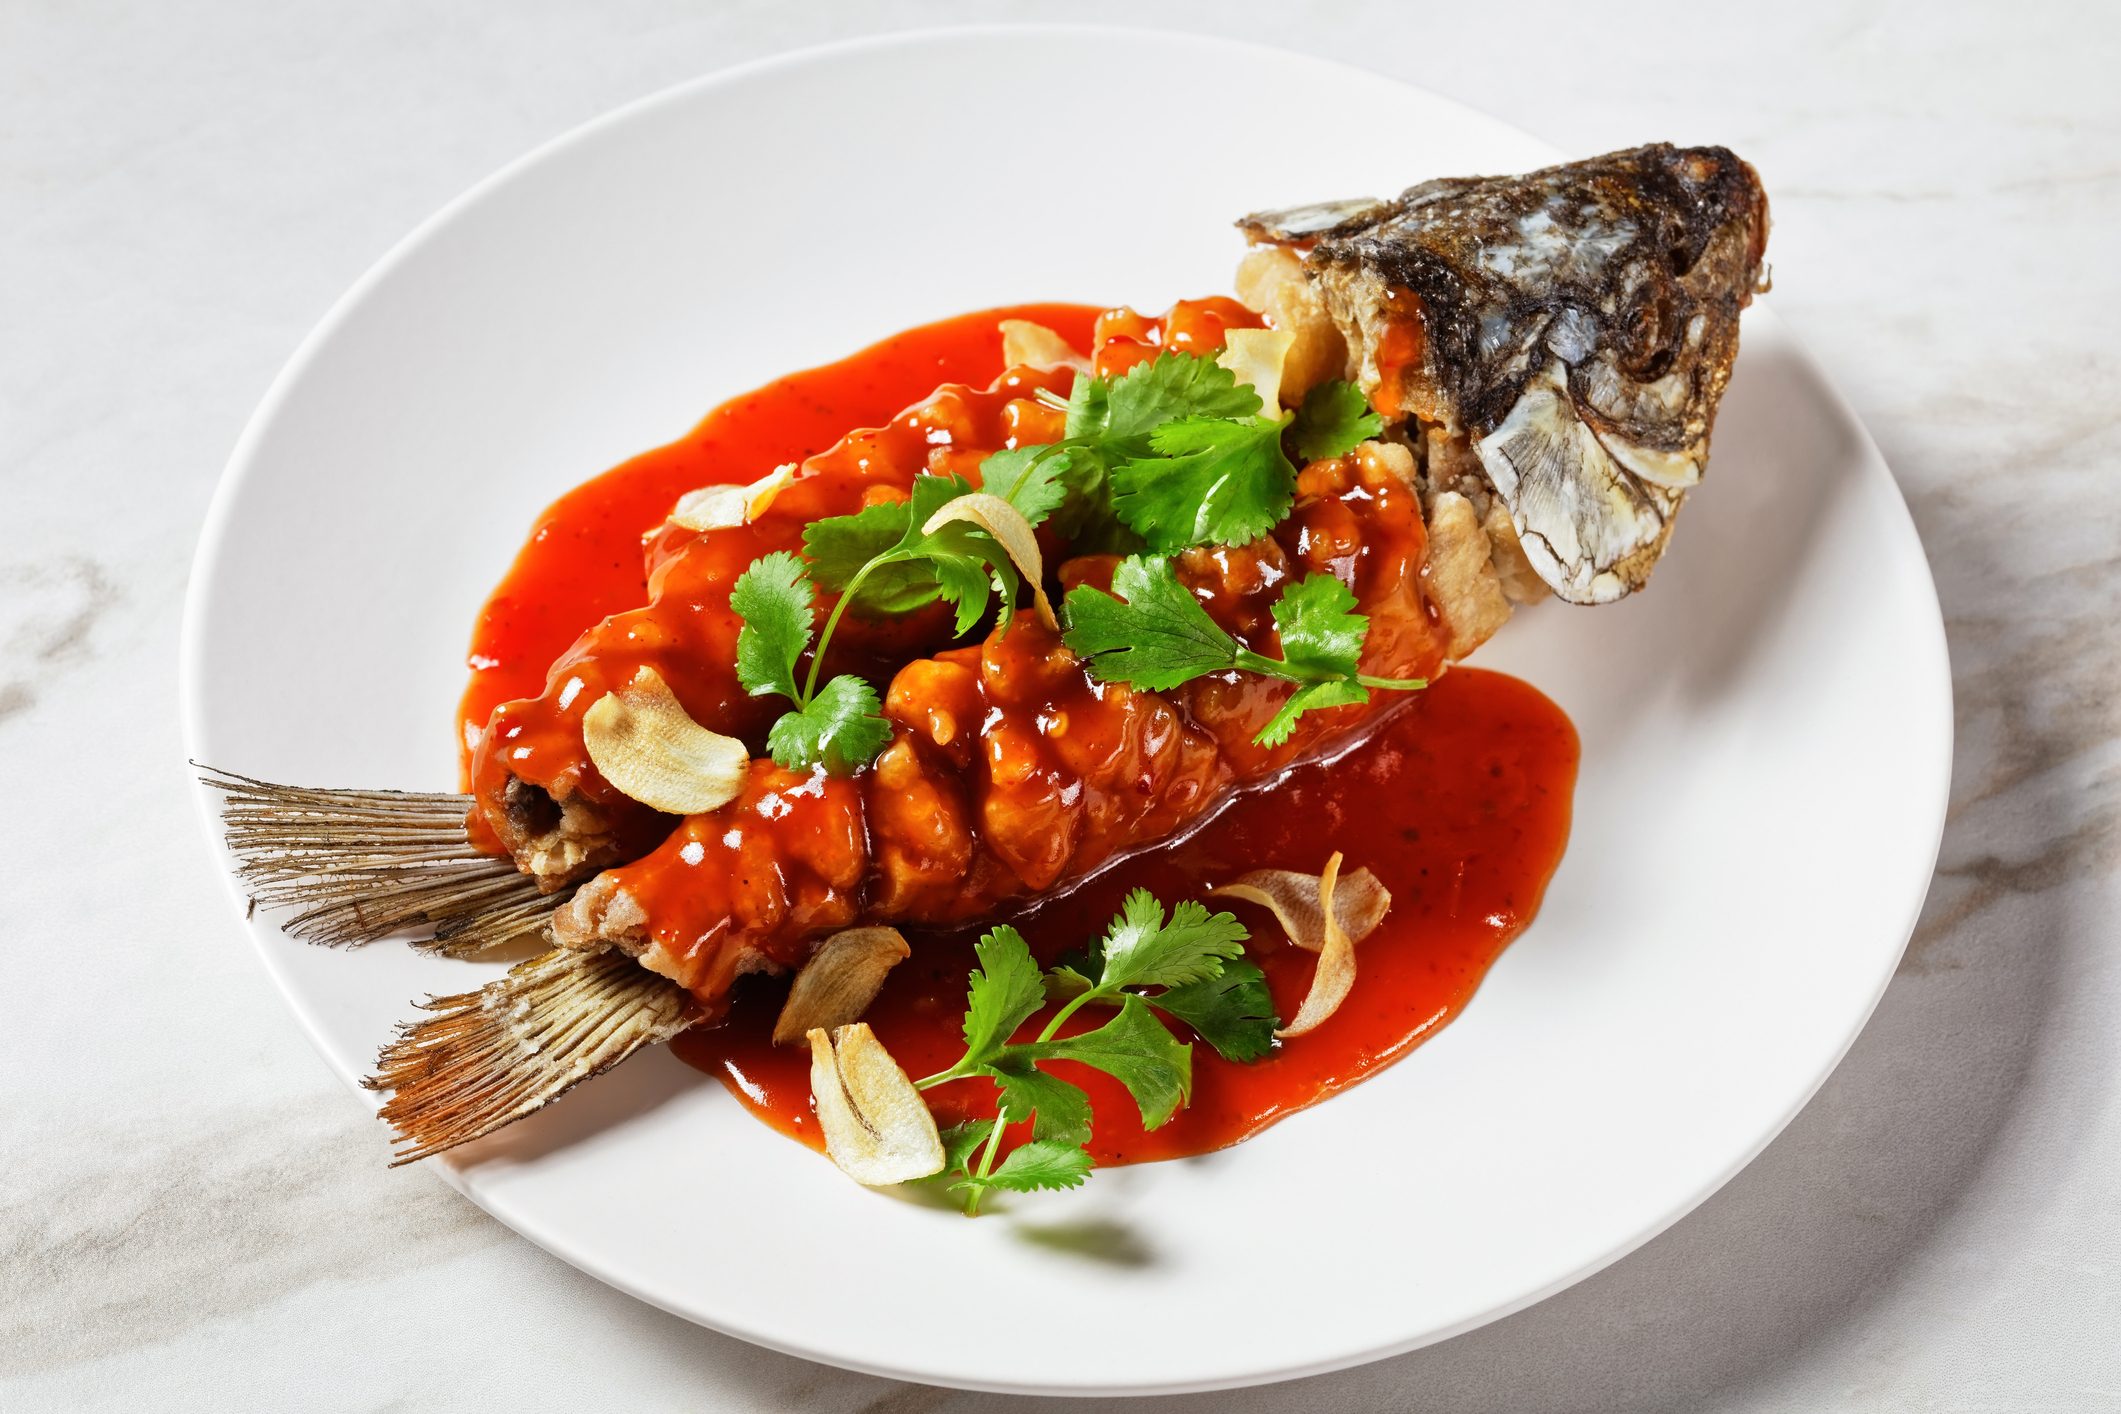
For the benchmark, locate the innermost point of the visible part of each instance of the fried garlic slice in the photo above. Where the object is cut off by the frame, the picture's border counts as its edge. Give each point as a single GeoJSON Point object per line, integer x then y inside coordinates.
{"type": "Point", "coordinates": [1359, 902]}
{"type": "Point", "coordinates": [1256, 357]}
{"type": "Point", "coordinates": [643, 742]}
{"type": "Point", "coordinates": [711, 508]}
{"type": "Point", "coordinates": [1029, 345]}
{"type": "Point", "coordinates": [1321, 913]}
{"type": "Point", "coordinates": [1007, 525]}
{"type": "Point", "coordinates": [722, 507]}
{"type": "Point", "coordinates": [877, 1128]}
{"type": "Point", "coordinates": [766, 488]}
{"type": "Point", "coordinates": [836, 986]}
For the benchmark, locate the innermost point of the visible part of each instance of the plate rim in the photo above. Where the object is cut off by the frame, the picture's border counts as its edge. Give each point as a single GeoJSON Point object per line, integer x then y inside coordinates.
{"type": "Point", "coordinates": [242, 464]}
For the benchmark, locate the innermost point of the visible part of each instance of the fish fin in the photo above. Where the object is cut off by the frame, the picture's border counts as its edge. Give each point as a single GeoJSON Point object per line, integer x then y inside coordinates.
{"type": "Point", "coordinates": [363, 864]}
{"type": "Point", "coordinates": [487, 1058]}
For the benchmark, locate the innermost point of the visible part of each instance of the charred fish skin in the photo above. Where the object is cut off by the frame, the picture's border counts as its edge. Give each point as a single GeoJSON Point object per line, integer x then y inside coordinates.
{"type": "Point", "coordinates": [1575, 326]}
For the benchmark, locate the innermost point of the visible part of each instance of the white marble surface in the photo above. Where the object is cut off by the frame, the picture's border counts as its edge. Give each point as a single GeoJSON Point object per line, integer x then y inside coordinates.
{"type": "Point", "coordinates": [193, 1213]}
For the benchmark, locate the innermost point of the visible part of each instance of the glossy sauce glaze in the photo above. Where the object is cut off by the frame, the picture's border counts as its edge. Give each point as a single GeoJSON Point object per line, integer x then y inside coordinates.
{"type": "Point", "coordinates": [1459, 803]}
{"type": "Point", "coordinates": [1013, 772]}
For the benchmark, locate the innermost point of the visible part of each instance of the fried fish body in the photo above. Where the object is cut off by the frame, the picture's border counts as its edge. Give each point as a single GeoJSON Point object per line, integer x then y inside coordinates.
{"type": "Point", "coordinates": [1013, 771]}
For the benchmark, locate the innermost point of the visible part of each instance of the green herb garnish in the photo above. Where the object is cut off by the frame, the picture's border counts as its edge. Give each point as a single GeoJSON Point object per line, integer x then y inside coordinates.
{"type": "Point", "coordinates": [1334, 419]}
{"type": "Point", "coordinates": [1156, 635]}
{"type": "Point", "coordinates": [1206, 481]}
{"type": "Point", "coordinates": [882, 558]}
{"type": "Point", "coordinates": [1170, 454]}
{"type": "Point", "coordinates": [837, 726]}
{"type": "Point", "coordinates": [1190, 966]}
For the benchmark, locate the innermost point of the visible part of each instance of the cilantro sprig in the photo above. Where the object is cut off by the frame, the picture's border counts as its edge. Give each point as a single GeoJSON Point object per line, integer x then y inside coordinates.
{"type": "Point", "coordinates": [1190, 966]}
{"type": "Point", "coordinates": [885, 559]}
{"type": "Point", "coordinates": [1335, 418]}
{"type": "Point", "coordinates": [1176, 452]}
{"type": "Point", "coordinates": [837, 726]}
{"type": "Point", "coordinates": [1196, 961]}
{"type": "Point", "coordinates": [1172, 453]}
{"type": "Point", "coordinates": [1206, 481]}
{"type": "Point", "coordinates": [1151, 632]}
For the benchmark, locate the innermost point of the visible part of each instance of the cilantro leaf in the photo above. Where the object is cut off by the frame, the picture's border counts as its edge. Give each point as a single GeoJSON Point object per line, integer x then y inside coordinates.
{"type": "Point", "coordinates": [966, 563]}
{"type": "Point", "coordinates": [1233, 1012]}
{"type": "Point", "coordinates": [957, 561]}
{"type": "Point", "coordinates": [1005, 991]}
{"type": "Point", "coordinates": [1064, 982]}
{"type": "Point", "coordinates": [1157, 636]}
{"type": "Point", "coordinates": [1109, 421]}
{"type": "Point", "coordinates": [839, 729]}
{"type": "Point", "coordinates": [1167, 388]}
{"type": "Point", "coordinates": [1086, 519]}
{"type": "Point", "coordinates": [1042, 1163]}
{"type": "Point", "coordinates": [839, 546]}
{"type": "Point", "coordinates": [1057, 1109]}
{"type": "Point", "coordinates": [1089, 408]}
{"type": "Point", "coordinates": [1028, 478]}
{"type": "Point", "coordinates": [1134, 1049]}
{"type": "Point", "coordinates": [962, 1141]}
{"type": "Point", "coordinates": [1334, 420]}
{"type": "Point", "coordinates": [1154, 635]}
{"type": "Point", "coordinates": [1209, 481]}
{"type": "Point", "coordinates": [1321, 634]}
{"type": "Point", "coordinates": [930, 494]}
{"type": "Point", "coordinates": [773, 598]}
{"type": "Point", "coordinates": [1338, 692]}
{"type": "Point", "coordinates": [1190, 956]}
{"type": "Point", "coordinates": [1142, 950]}
{"type": "Point", "coordinates": [881, 546]}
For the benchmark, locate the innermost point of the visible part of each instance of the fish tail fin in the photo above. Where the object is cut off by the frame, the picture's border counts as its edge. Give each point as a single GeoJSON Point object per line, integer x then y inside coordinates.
{"type": "Point", "coordinates": [487, 1058]}
{"type": "Point", "coordinates": [362, 864]}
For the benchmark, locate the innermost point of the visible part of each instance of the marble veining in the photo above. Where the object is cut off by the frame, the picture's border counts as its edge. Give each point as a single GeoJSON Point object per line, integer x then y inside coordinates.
{"type": "Point", "coordinates": [194, 1214]}
{"type": "Point", "coordinates": [233, 1208]}
{"type": "Point", "coordinates": [51, 610]}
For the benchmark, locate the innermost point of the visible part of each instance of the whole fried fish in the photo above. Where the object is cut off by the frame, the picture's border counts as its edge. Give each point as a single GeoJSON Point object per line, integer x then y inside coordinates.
{"type": "Point", "coordinates": [1561, 337]}
{"type": "Point", "coordinates": [1548, 351]}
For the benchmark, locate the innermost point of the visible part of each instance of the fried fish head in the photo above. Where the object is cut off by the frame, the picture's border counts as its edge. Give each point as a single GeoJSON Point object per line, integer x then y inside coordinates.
{"type": "Point", "coordinates": [1573, 329]}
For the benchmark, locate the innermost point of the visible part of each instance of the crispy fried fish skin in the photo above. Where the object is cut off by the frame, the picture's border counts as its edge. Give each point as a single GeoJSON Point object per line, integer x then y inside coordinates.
{"type": "Point", "coordinates": [1576, 326]}
{"type": "Point", "coordinates": [1013, 771]}
{"type": "Point", "coordinates": [539, 797]}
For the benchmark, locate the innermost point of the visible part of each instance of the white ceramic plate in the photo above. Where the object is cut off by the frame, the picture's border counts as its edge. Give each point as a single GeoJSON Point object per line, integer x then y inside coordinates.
{"type": "Point", "coordinates": [1765, 733]}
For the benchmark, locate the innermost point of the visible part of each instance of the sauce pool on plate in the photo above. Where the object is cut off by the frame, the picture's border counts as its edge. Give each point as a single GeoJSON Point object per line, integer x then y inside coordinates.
{"type": "Point", "coordinates": [1459, 802]}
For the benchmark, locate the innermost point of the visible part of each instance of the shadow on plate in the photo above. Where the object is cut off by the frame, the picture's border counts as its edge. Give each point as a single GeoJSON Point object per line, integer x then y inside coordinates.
{"type": "Point", "coordinates": [1743, 547]}
{"type": "Point", "coordinates": [1100, 1240]}
{"type": "Point", "coordinates": [642, 1084]}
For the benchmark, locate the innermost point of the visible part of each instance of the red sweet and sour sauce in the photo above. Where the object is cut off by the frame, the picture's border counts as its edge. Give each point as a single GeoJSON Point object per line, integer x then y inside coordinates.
{"type": "Point", "coordinates": [1459, 802]}
{"type": "Point", "coordinates": [583, 560]}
